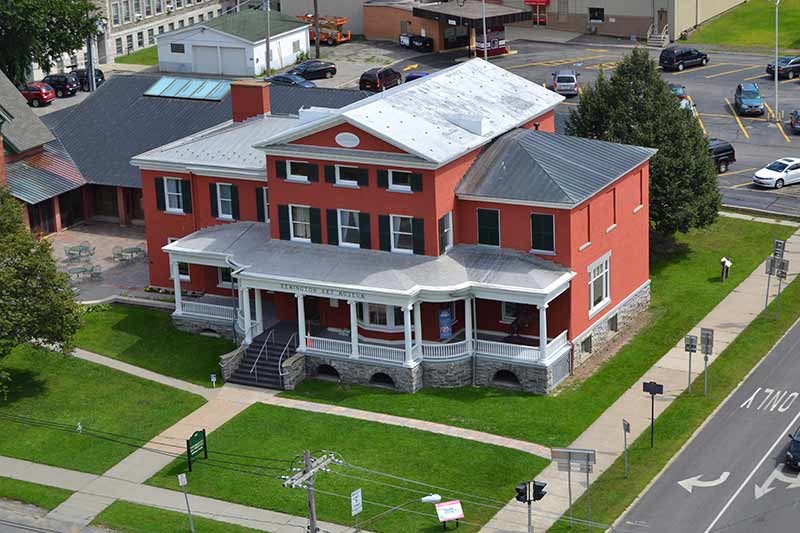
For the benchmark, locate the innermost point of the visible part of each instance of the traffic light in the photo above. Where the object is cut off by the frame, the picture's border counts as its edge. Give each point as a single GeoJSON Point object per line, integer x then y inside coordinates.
{"type": "Point", "coordinates": [522, 492]}
{"type": "Point", "coordinates": [530, 491]}
{"type": "Point", "coordinates": [538, 490]}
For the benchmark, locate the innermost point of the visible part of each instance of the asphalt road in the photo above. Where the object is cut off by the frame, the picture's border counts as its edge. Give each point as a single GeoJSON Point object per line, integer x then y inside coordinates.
{"type": "Point", "coordinates": [734, 466]}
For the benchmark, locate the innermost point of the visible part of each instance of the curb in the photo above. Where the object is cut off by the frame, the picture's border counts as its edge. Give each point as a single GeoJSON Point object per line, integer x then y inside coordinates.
{"type": "Point", "coordinates": [758, 212]}
{"type": "Point", "coordinates": [132, 300]}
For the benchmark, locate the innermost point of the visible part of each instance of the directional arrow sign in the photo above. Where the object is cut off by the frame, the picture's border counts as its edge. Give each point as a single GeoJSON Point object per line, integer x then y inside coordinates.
{"type": "Point", "coordinates": [692, 482]}
{"type": "Point", "coordinates": [793, 482]}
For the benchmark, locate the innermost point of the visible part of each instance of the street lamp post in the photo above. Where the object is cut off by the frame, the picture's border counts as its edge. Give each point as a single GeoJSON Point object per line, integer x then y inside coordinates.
{"type": "Point", "coordinates": [775, 70]}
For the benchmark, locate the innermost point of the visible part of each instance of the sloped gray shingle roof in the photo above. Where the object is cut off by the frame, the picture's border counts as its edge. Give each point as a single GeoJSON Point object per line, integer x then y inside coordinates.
{"type": "Point", "coordinates": [24, 131]}
{"type": "Point", "coordinates": [251, 24]}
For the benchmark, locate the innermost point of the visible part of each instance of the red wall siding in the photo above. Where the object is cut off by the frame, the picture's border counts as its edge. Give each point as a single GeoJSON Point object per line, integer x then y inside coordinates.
{"type": "Point", "coordinates": [327, 138]}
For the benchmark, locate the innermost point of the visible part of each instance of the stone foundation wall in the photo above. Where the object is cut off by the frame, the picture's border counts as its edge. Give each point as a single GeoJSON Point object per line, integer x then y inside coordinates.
{"type": "Point", "coordinates": [531, 378]}
{"type": "Point", "coordinates": [361, 372]}
{"type": "Point", "coordinates": [200, 325]}
{"type": "Point", "coordinates": [447, 374]}
{"type": "Point", "coordinates": [601, 334]}
{"type": "Point", "coordinates": [294, 370]}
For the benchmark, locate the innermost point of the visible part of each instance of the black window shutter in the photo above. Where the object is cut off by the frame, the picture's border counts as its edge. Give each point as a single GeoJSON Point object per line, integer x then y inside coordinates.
{"type": "Point", "coordinates": [280, 169]}
{"type": "Point", "coordinates": [364, 231]}
{"type": "Point", "coordinates": [262, 217]}
{"type": "Point", "coordinates": [186, 192]}
{"type": "Point", "coordinates": [283, 222]}
{"type": "Point", "coordinates": [333, 226]}
{"type": "Point", "coordinates": [363, 178]}
{"type": "Point", "coordinates": [383, 179]}
{"type": "Point", "coordinates": [235, 201]}
{"type": "Point", "coordinates": [212, 193]}
{"type": "Point", "coordinates": [161, 201]}
{"type": "Point", "coordinates": [313, 172]}
{"type": "Point", "coordinates": [416, 182]}
{"type": "Point", "coordinates": [330, 173]}
{"type": "Point", "coordinates": [385, 233]}
{"type": "Point", "coordinates": [316, 225]}
{"type": "Point", "coordinates": [418, 228]}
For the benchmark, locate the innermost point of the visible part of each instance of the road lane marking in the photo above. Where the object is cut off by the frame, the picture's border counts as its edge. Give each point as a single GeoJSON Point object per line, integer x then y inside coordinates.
{"type": "Point", "coordinates": [695, 69]}
{"type": "Point", "coordinates": [700, 120]}
{"type": "Point", "coordinates": [718, 74]}
{"type": "Point", "coordinates": [595, 49]}
{"type": "Point", "coordinates": [752, 472]}
{"type": "Point", "coordinates": [410, 67]}
{"type": "Point", "coordinates": [739, 122]}
{"type": "Point", "coordinates": [776, 474]}
{"type": "Point", "coordinates": [782, 399]}
{"type": "Point", "coordinates": [692, 482]}
{"type": "Point", "coordinates": [555, 62]}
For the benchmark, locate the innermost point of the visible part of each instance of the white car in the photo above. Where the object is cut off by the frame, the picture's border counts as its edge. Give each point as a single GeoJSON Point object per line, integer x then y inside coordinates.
{"type": "Point", "coordinates": [781, 172]}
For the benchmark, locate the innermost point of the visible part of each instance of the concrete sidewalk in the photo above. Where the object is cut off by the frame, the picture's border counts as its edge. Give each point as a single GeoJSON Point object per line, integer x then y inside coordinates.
{"type": "Point", "coordinates": [95, 489]}
{"type": "Point", "coordinates": [728, 319]}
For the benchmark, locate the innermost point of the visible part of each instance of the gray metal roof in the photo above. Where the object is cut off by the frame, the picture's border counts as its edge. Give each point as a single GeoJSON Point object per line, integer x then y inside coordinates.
{"type": "Point", "coordinates": [248, 243]}
{"type": "Point", "coordinates": [118, 122]}
{"type": "Point", "coordinates": [24, 131]}
{"type": "Point", "coordinates": [445, 115]}
{"type": "Point", "coordinates": [536, 166]}
{"type": "Point", "coordinates": [43, 175]}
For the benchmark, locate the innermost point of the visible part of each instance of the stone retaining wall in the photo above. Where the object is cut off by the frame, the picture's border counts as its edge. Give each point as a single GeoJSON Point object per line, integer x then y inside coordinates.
{"type": "Point", "coordinates": [362, 372]}
{"type": "Point", "coordinates": [294, 371]}
{"type": "Point", "coordinates": [201, 325]}
{"type": "Point", "coordinates": [447, 374]}
{"type": "Point", "coordinates": [531, 378]}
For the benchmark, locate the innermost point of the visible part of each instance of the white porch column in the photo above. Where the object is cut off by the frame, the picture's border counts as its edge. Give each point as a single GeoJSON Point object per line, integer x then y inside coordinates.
{"type": "Point", "coordinates": [248, 323]}
{"type": "Point", "coordinates": [176, 280]}
{"type": "Point", "coordinates": [301, 323]}
{"type": "Point", "coordinates": [542, 329]}
{"type": "Point", "coordinates": [259, 312]}
{"type": "Point", "coordinates": [418, 324]}
{"type": "Point", "coordinates": [468, 322]}
{"type": "Point", "coordinates": [353, 328]}
{"type": "Point", "coordinates": [407, 334]}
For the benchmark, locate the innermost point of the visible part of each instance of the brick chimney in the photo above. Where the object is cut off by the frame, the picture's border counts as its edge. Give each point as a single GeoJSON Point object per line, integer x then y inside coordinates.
{"type": "Point", "coordinates": [249, 99]}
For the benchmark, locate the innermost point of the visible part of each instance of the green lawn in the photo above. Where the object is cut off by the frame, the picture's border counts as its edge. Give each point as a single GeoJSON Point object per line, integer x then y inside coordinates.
{"type": "Point", "coordinates": [685, 287]}
{"type": "Point", "coordinates": [126, 517]}
{"type": "Point", "coordinates": [269, 431]}
{"type": "Point", "coordinates": [67, 390]}
{"type": "Point", "coordinates": [146, 338]}
{"type": "Point", "coordinates": [752, 25]}
{"type": "Point", "coordinates": [611, 492]}
{"type": "Point", "coordinates": [145, 56]}
{"type": "Point", "coordinates": [39, 495]}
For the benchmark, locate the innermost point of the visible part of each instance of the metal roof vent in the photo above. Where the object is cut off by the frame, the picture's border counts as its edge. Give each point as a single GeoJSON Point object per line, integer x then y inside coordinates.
{"type": "Point", "coordinates": [472, 123]}
{"type": "Point", "coordinates": [310, 114]}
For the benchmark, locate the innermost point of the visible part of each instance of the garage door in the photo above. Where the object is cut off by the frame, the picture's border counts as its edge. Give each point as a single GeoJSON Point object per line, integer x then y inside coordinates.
{"type": "Point", "coordinates": [234, 62]}
{"type": "Point", "coordinates": [205, 59]}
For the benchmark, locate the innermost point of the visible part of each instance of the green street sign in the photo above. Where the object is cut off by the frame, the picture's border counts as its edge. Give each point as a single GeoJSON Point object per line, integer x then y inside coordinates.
{"type": "Point", "coordinates": [196, 445]}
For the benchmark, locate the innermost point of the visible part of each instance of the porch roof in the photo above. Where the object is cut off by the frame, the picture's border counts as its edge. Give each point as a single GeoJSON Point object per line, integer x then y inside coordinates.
{"type": "Point", "coordinates": [348, 272]}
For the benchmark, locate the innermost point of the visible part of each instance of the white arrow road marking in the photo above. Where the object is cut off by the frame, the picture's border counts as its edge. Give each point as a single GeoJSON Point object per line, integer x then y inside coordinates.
{"type": "Point", "coordinates": [693, 482]}
{"type": "Point", "coordinates": [793, 482]}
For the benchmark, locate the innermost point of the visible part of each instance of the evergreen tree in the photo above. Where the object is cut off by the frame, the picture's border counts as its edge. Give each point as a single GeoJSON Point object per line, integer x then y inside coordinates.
{"type": "Point", "coordinates": [635, 106]}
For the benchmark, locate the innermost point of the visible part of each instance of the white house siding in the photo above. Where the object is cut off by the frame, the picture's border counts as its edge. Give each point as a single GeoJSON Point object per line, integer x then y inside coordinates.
{"type": "Point", "coordinates": [352, 9]}
{"type": "Point", "coordinates": [283, 54]}
{"type": "Point", "coordinates": [688, 13]}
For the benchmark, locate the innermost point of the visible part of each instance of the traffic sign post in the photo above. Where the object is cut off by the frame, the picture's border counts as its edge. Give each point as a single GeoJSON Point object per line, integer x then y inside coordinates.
{"type": "Point", "coordinates": [182, 482]}
{"type": "Point", "coordinates": [690, 346]}
{"type": "Point", "coordinates": [213, 381]}
{"type": "Point", "coordinates": [778, 249]}
{"type": "Point", "coordinates": [529, 492]}
{"type": "Point", "coordinates": [356, 504]}
{"type": "Point", "coordinates": [652, 388]}
{"type": "Point", "coordinates": [626, 428]}
{"type": "Point", "coordinates": [707, 347]}
{"type": "Point", "coordinates": [781, 272]}
{"type": "Point", "coordinates": [581, 460]}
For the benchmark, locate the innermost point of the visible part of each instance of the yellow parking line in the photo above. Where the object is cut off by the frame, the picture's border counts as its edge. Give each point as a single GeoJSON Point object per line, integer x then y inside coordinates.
{"type": "Point", "coordinates": [743, 171]}
{"type": "Point", "coordinates": [770, 113]}
{"type": "Point", "coordinates": [580, 90]}
{"type": "Point", "coordinates": [605, 66]}
{"type": "Point", "coordinates": [719, 115]}
{"type": "Point", "coordinates": [410, 67]}
{"type": "Point", "coordinates": [718, 74]}
{"type": "Point", "coordinates": [755, 77]}
{"type": "Point", "coordinates": [739, 185]}
{"type": "Point", "coordinates": [700, 120]}
{"type": "Point", "coordinates": [789, 81]}
{"type": "Point", "coordinates": [595, 49]}
{"type": "Point", "coordinates": [555, 62]}
{"type": "Point", "coordinates": [569, 103]}
{"type": "Point", "coordinates": [695, 69]}
{"type": "Point", "coordinates": [739, 122]}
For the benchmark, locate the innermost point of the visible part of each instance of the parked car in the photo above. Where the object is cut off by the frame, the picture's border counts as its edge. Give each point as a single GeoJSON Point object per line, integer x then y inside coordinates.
{"type": "Point", "coordinates": [565, 82]}
{"type": "Point", "coordinates": [37, 93]}
{"type": "Point", "coordinates": [722, 153]}
{"type": "Point", "coordinates": [680, 57]}
{"type": "Point", "coordinates": [685, 103]}
{"type": "Point", "coordinates": [379, 79]}
{"type": "Point", "coordinates": [748, 99]}
{"type": "Point", "coordinates": [781, 172]}
{"type": "Point", "coordinates": [411, 76]}
{"type": "Point", "coordinates": [314, 69]}
{"type": "Point", "coordinates": [788, 67]}
{"type": "Point", "coordinates": [794, 121]}
{"type": "Point", "coordinates": [64, 84]}
{"type": "Point", "coordinates": [678, 90]}
{"type": "Point", "coordinates": [792, 458]}
{"type": "Point", "coordinates": [83, 78]}
{"type": "Point", "coordinates": [290, 79]}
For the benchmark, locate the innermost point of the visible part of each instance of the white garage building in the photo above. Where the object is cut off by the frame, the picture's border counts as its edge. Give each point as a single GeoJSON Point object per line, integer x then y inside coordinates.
{"type": "Point", "coordinates": [233, 45]}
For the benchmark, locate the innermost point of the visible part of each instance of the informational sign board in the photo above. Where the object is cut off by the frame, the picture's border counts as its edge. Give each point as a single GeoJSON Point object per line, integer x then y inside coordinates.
{"type": "Point", "coordinates": [573, 455]}
{"type": "Point", "coordinates": [448, 511]}
{"type": "Point", "coordinates": [653, 388]}
{"type": "Point", "coordinates": [356, 504]}
{"type": "Point", "coordinates": [626, 426]}
{"type": "Point", "coordinates": [445, 324]}
{"type": "Point", "coordinates": [778, 248]}
{"type": "Point", "coordinates": [707, 340]}
{"type": "Point", "coordinates": [182, 480]}
{"type": "Point", "coordinates": [196, 445]}
{"type": "Point", "coordinates": [690, 343]}
{"type": "Point", "coordinates": [582, 468]}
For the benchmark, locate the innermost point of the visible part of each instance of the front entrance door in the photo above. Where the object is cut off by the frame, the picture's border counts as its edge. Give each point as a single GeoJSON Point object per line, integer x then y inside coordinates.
{"type": "Point", "coordinates": [662, 20]}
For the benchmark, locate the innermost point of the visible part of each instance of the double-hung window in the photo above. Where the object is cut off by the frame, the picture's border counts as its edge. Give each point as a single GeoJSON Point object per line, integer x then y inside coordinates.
{"type": "Point", "coordinates": [509, 311]}
{"type": "Point", "coordinates": [300, 223]}
{"type": "Point", "coordinates": [489, 227]}
{"type": "Point", "coordinates": [349, 230]}
{"type": "Point", "coordinates": [183, 268]}
{"type": "Point", "coordinates": [381, 317]}
{"type": "Point", "coordinates": [173, 195]}
{"type": "Point", "coordinates": [402, 234]}
{"type": "Point", "coordinates": [599, 284]}
{"type": "Point", "coordinates": [543, 234]}
{"type": "Point", "coordinates": [347, 176]}
{"type": "Point", "coordinates": [115, 14]}
{"type": "Point", "coordinates": [297, 170]}
{"type": "Point", "coordinates": [399, 181]}
{"type": "Point", "coordinates": [224, 278]}
{"type": "Point", "coordinates": [225, 200]}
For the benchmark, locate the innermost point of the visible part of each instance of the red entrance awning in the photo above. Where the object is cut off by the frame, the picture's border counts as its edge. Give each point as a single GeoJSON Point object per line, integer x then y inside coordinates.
{"type": "Point", "coordinates": [537, 2]}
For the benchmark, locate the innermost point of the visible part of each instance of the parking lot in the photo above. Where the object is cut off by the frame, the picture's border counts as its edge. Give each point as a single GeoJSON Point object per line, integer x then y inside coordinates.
{"type": "Point", "coordinates": [757, 140]}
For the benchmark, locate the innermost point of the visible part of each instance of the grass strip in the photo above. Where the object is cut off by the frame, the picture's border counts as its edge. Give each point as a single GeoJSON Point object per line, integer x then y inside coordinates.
{"type": "Point", "coordinates": [39, 495]}
{"type": "Point", "coordinates": [145, 56]}
{"type": "Point", "coordinates": [126, 517]}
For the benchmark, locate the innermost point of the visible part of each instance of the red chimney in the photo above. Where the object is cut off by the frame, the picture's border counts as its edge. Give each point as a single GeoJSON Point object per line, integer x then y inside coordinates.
{"type": "Point", "coordinates": [249, 99]}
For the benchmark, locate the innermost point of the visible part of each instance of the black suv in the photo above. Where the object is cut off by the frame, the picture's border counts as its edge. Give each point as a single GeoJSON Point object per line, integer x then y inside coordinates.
{"type": "Point", "coordinates": [379, 79]}
{"type": "Point", "coordinates": [793, 453]}
{"type": "Point", "coordinates": [722, 153]}
{"type": "Point", "coordinates": [64, 84]}
{"type": "Point", "coordinates": [83, 79]}
{"type": "Point", "coordinates": [314, 69]}
{"type": "Point", "coordinates": [680, 57]}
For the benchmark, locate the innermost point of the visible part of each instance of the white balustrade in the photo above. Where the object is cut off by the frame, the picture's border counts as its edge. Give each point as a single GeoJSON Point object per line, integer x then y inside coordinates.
{"type": "Point", "coordinates": [556, 344]}
{"type": "Point", "coordinates": [518, 352]}
{"type": "Point", "coordinates": [223, 312]}
{"type": "Point", "coordinates": [381, 353]}
{"type": "Point", "coordinates": [442, 351]}
{"type": "Point", "coordinates": [320, 344]}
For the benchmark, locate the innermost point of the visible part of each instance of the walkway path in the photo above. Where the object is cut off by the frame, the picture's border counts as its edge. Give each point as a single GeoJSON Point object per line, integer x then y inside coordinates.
{"type": "Point", "coordinates": [105, 489]}
{"type": "Point", "coordinates": [728, 319]}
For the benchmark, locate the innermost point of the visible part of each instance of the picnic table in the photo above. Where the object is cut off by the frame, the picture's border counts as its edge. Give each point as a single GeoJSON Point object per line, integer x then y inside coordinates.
{"type": "Point", "coordinates": [133, 251]}
{"type": "Point", "coordinates": [77, 271]}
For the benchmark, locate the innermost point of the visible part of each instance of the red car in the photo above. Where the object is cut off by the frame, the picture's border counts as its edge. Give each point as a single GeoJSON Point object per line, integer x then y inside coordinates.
{"type": "Point", "coordinates": [37, 93]}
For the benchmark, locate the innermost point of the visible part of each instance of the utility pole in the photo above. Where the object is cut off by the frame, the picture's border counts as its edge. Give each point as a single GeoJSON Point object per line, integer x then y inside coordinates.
{"type": "Point", "coordinates": [312, 507]}
{"type": "Point", "coordinates": [777, 112]}
{"type": "Point", "coordinates": [316, 28]}
{"type": "Point", "coordinates": [485, 36]}
{"type": "Point", "coordinates": [90, 81]}
{"type": "Point", "coordinates": [269, 37]}
{"type": "Point", "coordinates": [305, 479]}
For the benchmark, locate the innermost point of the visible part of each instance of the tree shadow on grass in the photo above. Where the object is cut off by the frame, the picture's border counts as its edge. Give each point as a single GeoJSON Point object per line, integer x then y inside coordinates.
{"type": "Point", "coordinates": [23, 384]}
{"type": "Point", "coordinates": [665, 250]}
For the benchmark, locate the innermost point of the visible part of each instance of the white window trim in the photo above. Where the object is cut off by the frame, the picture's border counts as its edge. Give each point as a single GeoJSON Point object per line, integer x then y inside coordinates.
{"type": "Point", "coordinates": [477, 228]}
{"type": "Point", "coordinates": [167, 208]}
{"type": "Point", "coordinates": [291, 223]}
{"type": "Point", "coordinates": [505, 318]}
{"type": "Point", "coordinates": [607, 300]}
{"type": "Point", "coordinates": [220, 215]}
{"type": "Point", "coordinates": [295, 177]}
{"type": "Point", "coordinates": [398, 188]}
{"type": "Point", "coordinates": [345, 183]}
{"type": "Point", "coordinates": [339, 227]}
{"type": "Point", "coordinates": [392, 233]}
{"type": "Point", "coordinates": [390, 324]}
{"type": "Point", "coordinates": [266, 203]}
{"type": "Point", "coordinates": [544, 252]}
{"type": "Point", "coordinates": [449, 245]}
{"type": "Point", "coordinates": [184, 277]}
{"type": "Point", "coordinates": [224, 284]}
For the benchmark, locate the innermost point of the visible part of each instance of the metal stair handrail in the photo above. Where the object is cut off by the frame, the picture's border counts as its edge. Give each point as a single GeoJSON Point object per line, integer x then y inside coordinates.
{"type": "Point", "coordinates": [270, 335]}
{"type": "Point", "coordinates": [281, 373]}
{"type": "Point", "coordinates": [650, 31]}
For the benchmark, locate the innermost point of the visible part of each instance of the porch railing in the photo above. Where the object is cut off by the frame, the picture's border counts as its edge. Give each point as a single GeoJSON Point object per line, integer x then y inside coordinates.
{"type": "Point", "coordinates": [381, 353]}
{"type": "Point", "coordinates": [321, 344]}
{"type": "Point", "coordinates": [556, 344]}
{"type": "Point", "coordinates": [519, 352]}
{"type": "Point", "coordinates": [439, 352]}
{"type": "Point", "coordinates": [221, 312]}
